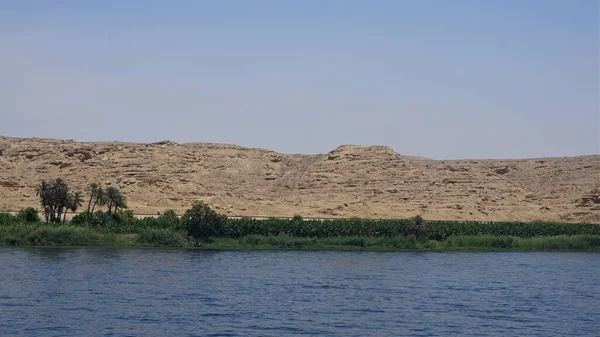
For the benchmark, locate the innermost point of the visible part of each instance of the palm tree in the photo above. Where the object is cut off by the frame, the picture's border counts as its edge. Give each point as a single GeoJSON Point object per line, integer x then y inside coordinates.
{"type": "Point", "coordinates": [75, 200]}
{"type": "Point", "coordinates": [60, 198]}
{"type": "Point", "coordinates": [418, 227]}
{"type": "Point", "coordinates": [114, 199]}
{"type": "Point", "coordinates": [42, 191]}
{"type": "Point", "coordinates": [93, 192]}
{"type": "Point", "coordinates": [53, 196]}
{"type": "Point", "coordinates": [56, 200]}
{"type": "Point", "coordinates": [121, 202]}
{"type": "Point", "coordinates": [99, 199]}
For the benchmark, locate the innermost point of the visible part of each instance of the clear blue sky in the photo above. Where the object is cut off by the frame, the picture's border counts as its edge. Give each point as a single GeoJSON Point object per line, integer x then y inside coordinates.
{"type": "Point", "coordinates": [441, 79]}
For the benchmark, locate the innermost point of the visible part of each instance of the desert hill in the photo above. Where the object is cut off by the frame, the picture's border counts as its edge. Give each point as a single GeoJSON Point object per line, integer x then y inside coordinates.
{"type": "Point", "coordinates": [349, 181]}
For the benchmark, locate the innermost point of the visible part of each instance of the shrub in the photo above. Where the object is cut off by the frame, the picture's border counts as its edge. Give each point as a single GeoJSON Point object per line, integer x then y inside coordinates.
{"type": "Point", "coordinates": [101, 219]}
{"type": "Point", "coordinates": [80, 219]}
{"type": "Point", "coordinates": [47, 235]}
{"type": "Point", "coordinates": [161, 238]}
{"type": "Point", "coordinates": [124, 217]}
{"type": "Point", "coordinates": [6, 218]}
{"type": "Point", "coordinates": [418, 227]}
{"type": "Point", "coordinates": [354, 241]}
{"type": "Point", "coordinates": [253, 240]}
{"type": "Point", "coordinates": [169, 218]}
{"type": "Point", "coordinates": [201, 221]}
{"type": "Point", "coordinates": [405, 242]}
{"type": "Point", "coordinates": [28, 214]}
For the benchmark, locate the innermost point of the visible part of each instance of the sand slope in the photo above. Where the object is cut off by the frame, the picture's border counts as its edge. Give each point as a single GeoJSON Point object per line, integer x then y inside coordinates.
{"type": "Point", "coordinates": [349, 181]}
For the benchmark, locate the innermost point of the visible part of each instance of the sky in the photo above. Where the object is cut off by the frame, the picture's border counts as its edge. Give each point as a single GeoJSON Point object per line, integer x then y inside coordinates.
{"type": "Point", "coordinates": [438, 79]}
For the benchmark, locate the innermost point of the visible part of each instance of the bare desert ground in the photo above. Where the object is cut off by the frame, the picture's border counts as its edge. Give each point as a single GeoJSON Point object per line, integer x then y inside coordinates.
{"type": "Point", "coordinates": [371, 181]}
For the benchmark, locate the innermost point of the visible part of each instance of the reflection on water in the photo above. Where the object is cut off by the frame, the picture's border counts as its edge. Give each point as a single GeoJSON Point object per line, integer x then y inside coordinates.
{"type": "Point", "coordinates": [161, 292]}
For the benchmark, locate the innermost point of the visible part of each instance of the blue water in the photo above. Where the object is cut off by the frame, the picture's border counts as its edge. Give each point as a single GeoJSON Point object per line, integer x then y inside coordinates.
{"type": "Point", "coordinates": [154, 292]}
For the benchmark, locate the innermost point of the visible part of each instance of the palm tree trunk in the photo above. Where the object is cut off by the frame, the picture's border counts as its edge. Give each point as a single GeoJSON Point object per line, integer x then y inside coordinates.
{"type": "Point", "coordinates": [53, 213]}
{"type": "Point", "coordinates": [65, 215]}
{"type": "Point", "coordinates": [90, 204]}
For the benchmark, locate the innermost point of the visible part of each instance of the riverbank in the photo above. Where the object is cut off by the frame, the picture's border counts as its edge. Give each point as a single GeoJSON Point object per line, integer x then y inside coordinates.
{"type": "Point", "coordinates": [67, 235]}
{"type": "Point", "coordinates": [476, 243]}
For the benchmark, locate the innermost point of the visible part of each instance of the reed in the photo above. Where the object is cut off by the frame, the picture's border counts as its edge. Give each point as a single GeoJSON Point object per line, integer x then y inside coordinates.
{"type": "Point", "coordinates": [67, 235]}
{"type": "Point", "coordinates": [483, 242]}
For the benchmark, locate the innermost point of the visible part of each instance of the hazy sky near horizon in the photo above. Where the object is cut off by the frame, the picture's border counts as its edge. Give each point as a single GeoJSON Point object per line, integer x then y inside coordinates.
{"type": "Point", "coordinates": [440, 79]}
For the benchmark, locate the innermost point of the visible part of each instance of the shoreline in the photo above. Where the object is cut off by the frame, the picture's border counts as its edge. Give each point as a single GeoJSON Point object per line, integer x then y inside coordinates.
{"type": "Point", "coordinates": [415, 235]}
{"type": "Point", "coordinates": [321, 249]}
{"type": "Point", "coordinates": [482, 243]}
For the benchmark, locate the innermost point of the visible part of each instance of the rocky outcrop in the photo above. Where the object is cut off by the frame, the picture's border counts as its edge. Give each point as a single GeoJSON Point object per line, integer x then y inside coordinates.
{"type": "Point", "coordinates": [364, 181]}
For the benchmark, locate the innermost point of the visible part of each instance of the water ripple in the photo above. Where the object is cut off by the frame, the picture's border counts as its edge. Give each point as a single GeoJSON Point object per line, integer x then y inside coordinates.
{"type": "Point", "coordinates": [152, 292]}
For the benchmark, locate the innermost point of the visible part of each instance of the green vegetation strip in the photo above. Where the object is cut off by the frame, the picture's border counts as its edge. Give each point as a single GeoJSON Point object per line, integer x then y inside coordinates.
{"type": "Point", "coordinates": [437, 230]}
{"type": "Point", "coordinates": [201, 225]}
{"type": "Point", "coordinates": [67, 235]}
{"type": "Point", "coordinates": [483, 242]}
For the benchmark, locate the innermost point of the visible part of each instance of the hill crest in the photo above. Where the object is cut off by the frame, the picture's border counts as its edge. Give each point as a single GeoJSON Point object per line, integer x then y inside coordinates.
{"type": "Point", "coordinates": [351, 180]}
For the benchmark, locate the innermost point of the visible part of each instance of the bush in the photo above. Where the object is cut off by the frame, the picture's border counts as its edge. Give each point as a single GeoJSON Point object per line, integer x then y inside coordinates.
{"type": "Point", "coordinates": [47, 235]}
{"type": "Point", "coordinates": [81, 218]}
{"type": "Point", "coordinates": [161, 238]}
{"type": "Point", "coordinates": [354, 241]}
{"type": "Point", "coordinates": [253, 240]}
{"type": "Point", "coordinates": [484, 241]}
{"type": "Point", "coordinates": [405, 242]}
{"type": "Point", "coordinates": [124, 217]}
{"type": "Point", "coordinates": [28, 214]}
{"type": "Point", "coordinates": [101, 219]}
{"type": "Point", "coordinates": [201, 221]}
{"type": "Point", "coordinates": [169, 218]}
{"type": "Point", "coordinates": [6, 219]}
{"type": "Point", "coordinates": [418, 227]}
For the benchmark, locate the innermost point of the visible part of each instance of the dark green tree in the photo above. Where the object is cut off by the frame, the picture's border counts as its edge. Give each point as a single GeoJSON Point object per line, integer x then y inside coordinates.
{"type": "Point", "coordinates": [169, 218]}
{"type": "Point", "coordinates": [28, 214]}
{"type": "Point", "coordinates": [60, 197]}
{"type": "Point", "coordinates": [42, 190]}
{"type": "Point", "coordinates": [94, 187]}
{"type": "Point", "coordinates": [54, 198]}
{"type": "Point", "coordinates": [201, 221]}
{"type": "Point", "coordinates": [114, 199]}
{"type": "Point", "coordinates": [75, 200]}
{"type": "Point", "coordinates": [418, 227]}
{"type": "Point", "coordinates": [98, 198]}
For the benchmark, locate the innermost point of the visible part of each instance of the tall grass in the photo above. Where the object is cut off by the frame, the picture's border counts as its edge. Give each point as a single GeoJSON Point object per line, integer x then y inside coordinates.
{"type": "Point", "coordinates": [484, 242]}
{"type": "Point", "coordinates": [67, 235]}
{"type": "Point", "coordinates": [35, 235]}
{"type": "Point", "coordinates": [162, 238]}
{"type": "Point", "coordinates": [542, 243]}
{"type": "Point", "coordinates": [562, 242]}
{"type": "Point", "coordinates": [294, 242]}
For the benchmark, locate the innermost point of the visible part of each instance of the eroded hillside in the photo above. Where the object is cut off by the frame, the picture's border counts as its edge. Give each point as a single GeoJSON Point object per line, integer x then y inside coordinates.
{"type": "Point", "coordinates": [349, 181]}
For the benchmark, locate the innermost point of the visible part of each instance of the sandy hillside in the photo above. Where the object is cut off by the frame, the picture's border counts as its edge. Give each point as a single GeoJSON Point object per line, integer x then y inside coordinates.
{"type": "Point", "coordinates": [348, 181]}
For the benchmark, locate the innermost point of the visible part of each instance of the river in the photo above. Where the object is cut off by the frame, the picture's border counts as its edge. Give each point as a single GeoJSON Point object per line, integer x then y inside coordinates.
{"type": "Point", "coordinates": [164, 292]}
